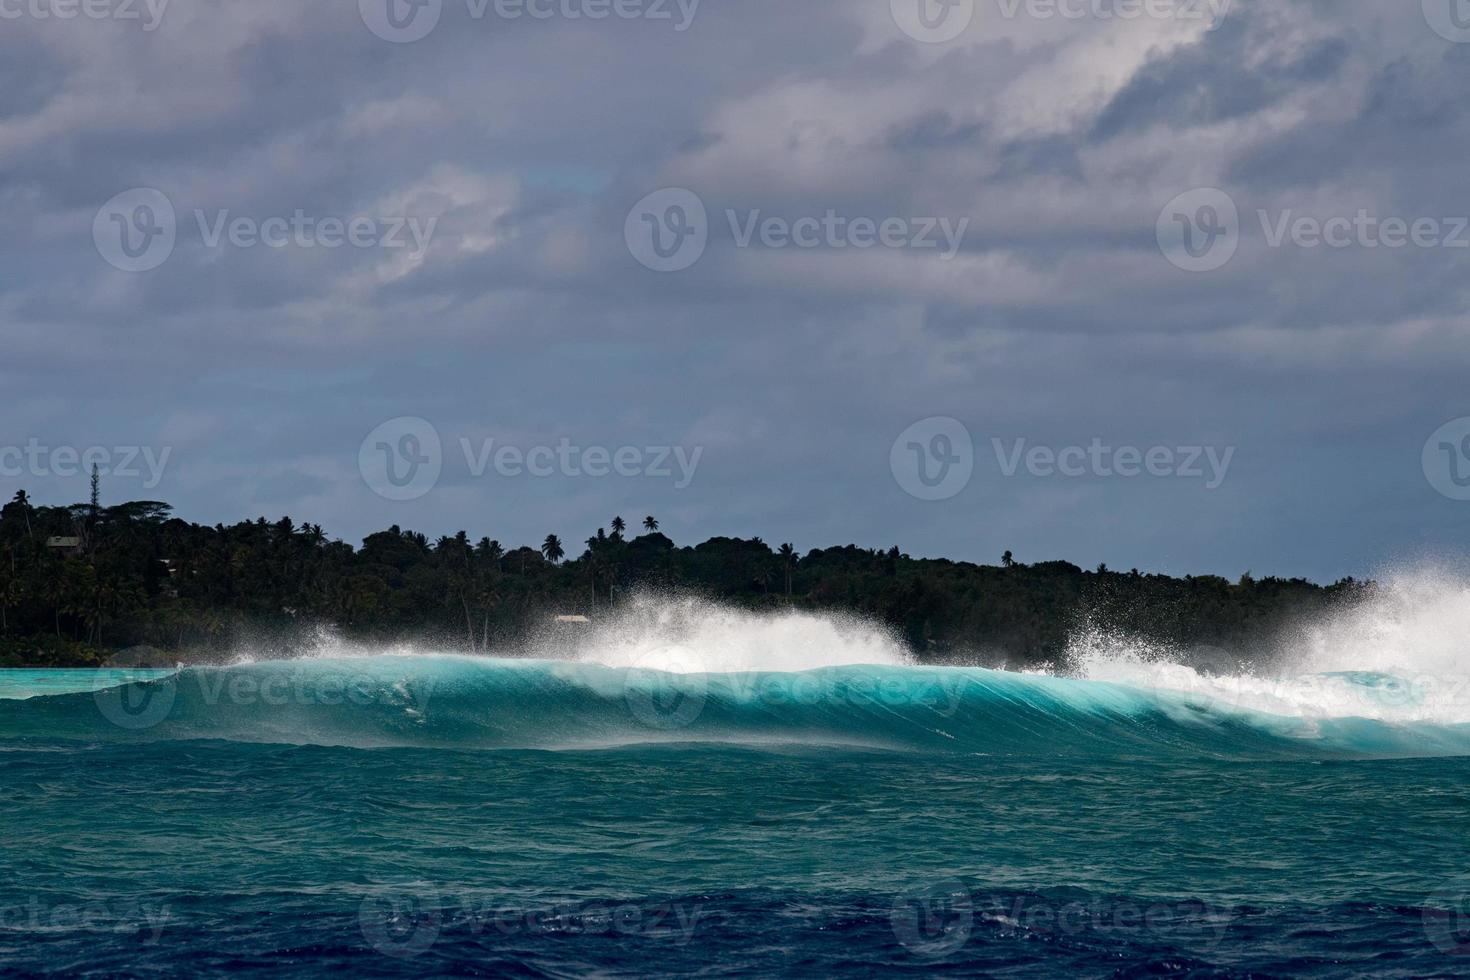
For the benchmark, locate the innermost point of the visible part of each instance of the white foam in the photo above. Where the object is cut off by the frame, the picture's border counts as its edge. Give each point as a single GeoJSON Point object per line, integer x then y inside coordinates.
{"type": "Point", "coordinates": [690, 636]}
{"type": "Point", "coordinates": [1418, 622]}
{"type": "Point", "coordinates": [1399, 656]}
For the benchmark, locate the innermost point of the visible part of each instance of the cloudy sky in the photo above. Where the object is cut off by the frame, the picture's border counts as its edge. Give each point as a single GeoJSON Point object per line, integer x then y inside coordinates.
{"type": "Point", "coordinates": [1175, 284]}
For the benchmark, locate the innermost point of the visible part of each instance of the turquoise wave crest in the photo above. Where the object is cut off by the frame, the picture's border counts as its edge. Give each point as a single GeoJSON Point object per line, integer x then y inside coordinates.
{"type": "Point", "coordinates": [484, 703]}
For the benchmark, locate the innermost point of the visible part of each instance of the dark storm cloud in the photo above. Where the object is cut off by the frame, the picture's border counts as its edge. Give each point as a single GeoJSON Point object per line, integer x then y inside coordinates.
{"type": "Point", "coordinates": [525, 318]}
{"type": "Point", "coordinates": [1203, 84]}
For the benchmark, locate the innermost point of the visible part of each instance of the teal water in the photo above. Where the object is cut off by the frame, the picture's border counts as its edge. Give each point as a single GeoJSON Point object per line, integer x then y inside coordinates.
{"type": "Point", "coordinates": [21, 684]}
{"type": "Point", "coordinates": [413, 815]}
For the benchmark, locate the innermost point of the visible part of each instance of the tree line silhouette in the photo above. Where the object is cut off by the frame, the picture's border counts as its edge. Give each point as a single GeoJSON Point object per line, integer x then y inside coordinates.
{"type": "Point", "coordinates": [78, 584]}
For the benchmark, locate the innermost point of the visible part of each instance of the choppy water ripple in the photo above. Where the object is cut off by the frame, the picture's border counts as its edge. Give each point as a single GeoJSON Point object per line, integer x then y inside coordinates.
{"type": "Point", "coordinates": [400, 816]}
{"type": "Point", "coordinates": [205, 858]}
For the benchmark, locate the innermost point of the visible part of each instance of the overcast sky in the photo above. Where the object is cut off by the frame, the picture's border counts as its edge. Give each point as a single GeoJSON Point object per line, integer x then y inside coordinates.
{"type": "Point", "coordinates": [1175, 284]}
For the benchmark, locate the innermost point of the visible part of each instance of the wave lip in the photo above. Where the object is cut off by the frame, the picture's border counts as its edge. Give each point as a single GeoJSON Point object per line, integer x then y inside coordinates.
{"type": "Point", "coordinates": [1378, 679]}
{"type": "Point", "coordinates": [482, 703]}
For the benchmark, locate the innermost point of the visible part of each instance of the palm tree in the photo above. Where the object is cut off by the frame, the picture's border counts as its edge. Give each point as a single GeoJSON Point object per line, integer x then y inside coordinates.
{"type": "Point", "coordinates": [619, 526]}
{"type": "Point", "coordinates": [788, 560]}
{"type": "Point", "coordinates": [23, 501]}
{"type": "Point", "coordinates": [95, 507]}
{"type": "Point", "coordinates": [552, 550]}
{"type": "Point", "coordinates": [488, 597]}
{"type": "Point", "coordinates": [80, 585]}
{"type": "Point", "coordinates": [9, 594]}
{"type": "Point", "coordinates": [763, 574]}
{"type": "Point", "coordinates": [114, 600]}
{"type": "Point", "coordinates": [53, 589]}
{"type": "Point", "coordinates": [490, 551]}
{"type": "Point", "coordinates": [459, 558]}
{"type": "Point", "coordinates": [650, 524]}
{"type": "Point", "coordinates": [595, 545]}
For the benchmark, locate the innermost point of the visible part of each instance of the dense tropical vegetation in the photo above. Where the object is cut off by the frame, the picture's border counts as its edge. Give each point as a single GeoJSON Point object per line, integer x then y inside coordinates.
{"type": "Point", "coordinates": [80, 583]}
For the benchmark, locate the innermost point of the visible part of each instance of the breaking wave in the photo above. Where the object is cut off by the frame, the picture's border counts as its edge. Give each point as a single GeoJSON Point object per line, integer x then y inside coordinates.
{"type": "Point", "coordinates": [1381, 679]}
{"type": "Point", "coordinates": [1402, 656]}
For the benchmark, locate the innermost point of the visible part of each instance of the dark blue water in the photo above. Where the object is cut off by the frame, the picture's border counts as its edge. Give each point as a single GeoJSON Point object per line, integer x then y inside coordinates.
{"type": "Point", "coordinates": [415, 817]}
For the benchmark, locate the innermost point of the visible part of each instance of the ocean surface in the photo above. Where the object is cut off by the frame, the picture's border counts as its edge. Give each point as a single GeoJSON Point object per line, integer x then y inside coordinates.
{"type": "Point", "coordinates": [702, 792]}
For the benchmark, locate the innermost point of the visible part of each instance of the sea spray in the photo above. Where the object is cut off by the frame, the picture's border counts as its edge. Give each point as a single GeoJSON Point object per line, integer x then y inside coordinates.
{"type": "Point", "coordinates": [1399, 656]}
{"type": "Point", "coordinates": [1368, 680]}
{"type": "Point", "coordinates": [694, 636]}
